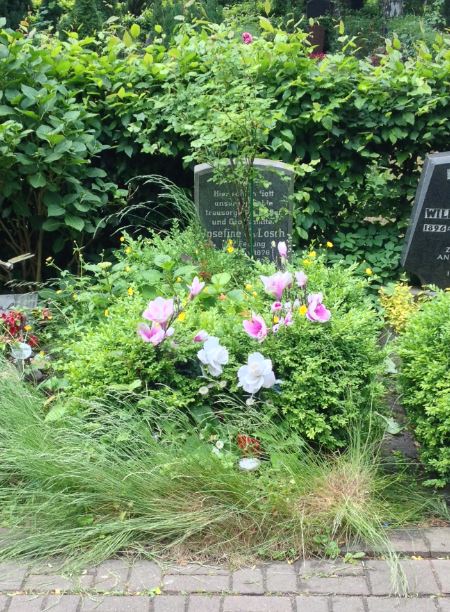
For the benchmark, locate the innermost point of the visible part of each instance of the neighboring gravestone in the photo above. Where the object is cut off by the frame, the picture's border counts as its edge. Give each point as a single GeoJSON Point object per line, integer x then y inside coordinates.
{"type": "Point", "coordinates": [427, 244]}
{"type": "Point", "coordinates": [317, 8]}
{"type": "Point", "coordinates": [18, 300]}
{"type": "Point", "coordinates": [216, 205]}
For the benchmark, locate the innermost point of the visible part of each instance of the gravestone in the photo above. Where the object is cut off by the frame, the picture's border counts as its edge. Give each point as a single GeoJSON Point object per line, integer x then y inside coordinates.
{"type": "Point", "coordinates": [317, 8]}
{"type": "Point", "coordinates": [426, 252]}
{"type": "Point", "coordinates": [216, 206]}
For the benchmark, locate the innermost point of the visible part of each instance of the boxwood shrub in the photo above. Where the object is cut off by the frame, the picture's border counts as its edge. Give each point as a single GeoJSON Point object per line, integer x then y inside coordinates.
{"type": "Point", "coordinates": [424, 348]}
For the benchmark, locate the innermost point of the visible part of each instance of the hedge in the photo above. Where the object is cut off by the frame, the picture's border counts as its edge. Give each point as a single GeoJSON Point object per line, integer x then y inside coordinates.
{"type": "Point", "coordinates": [81, 117]}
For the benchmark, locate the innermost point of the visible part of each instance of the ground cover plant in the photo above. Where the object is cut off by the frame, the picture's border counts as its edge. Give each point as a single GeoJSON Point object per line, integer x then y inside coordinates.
{"type": "Point", "coordinates": [424, 381]}
{"type": "Point", "coordinates": [85, 489]}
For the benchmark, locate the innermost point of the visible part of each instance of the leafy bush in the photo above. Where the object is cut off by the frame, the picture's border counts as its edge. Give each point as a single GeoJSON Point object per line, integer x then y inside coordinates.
{"type": "Point", "coordinates": [355, 132]}
{"type": "Point", "coordinates": [425, 382]}
{"type": "Point", "coordinates": [329, 372]}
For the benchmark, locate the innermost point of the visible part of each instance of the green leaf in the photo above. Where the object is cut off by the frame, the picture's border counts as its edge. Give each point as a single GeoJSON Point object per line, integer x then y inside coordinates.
{"type": "Point", "coordinates": [54, 210]}
{"type": "Point", "coordinates": [37, 180]}
{"type": "Point", "coordinates": [127, 39]}
{"type": "Point", "coordinates": [135, 30]}
{"type": "Point", "coordinates": [51, 225]}
{"type": "Point", "coordinates": [221, 279]}
{"type": "Point", "coordinates": [76, 223]}
{"type": "Point", "coordinates": [265, 24]}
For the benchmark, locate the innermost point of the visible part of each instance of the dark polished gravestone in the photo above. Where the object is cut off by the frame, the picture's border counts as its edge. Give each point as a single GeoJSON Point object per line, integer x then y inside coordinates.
{"type": "Point", "coordinates": [426, 252]}
{"type": "Point", "coordinates": [216, 206]}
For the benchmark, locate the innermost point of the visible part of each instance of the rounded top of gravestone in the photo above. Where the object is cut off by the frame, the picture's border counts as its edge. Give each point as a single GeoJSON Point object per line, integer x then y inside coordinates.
{"type": "Point", "coordinates": [259, 162]}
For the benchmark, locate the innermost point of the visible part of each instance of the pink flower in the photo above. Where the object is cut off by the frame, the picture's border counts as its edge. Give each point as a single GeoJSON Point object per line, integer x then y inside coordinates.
{"type": "Point", "coordinates": [247, 38]}
{"type": "Point", "coordinates": [256, 327]}
{"type": "Point", "coordinates": [282, 249]}
{"type": "Point", "coordinates": [195, 288]}
{"type": "Point", "coordinates": [288, 319]}
{"type": "Point", "coordinates": [154, 334]}
{"type": "Point", "coordinates": [277, 283]}
{"type": "Point", "coordinates": [301, 279]}
{"type": "Point", "coordinates": [201, 336]}
{"type": "Point", "coordinates": [276, 306]}
{"type": "Point", "coordinates": [159, 311]}
{"type": "Point", "coordinates": [316, 310]}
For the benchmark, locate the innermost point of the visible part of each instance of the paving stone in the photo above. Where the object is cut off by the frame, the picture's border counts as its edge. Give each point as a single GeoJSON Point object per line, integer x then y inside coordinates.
{"type": "Point", "coordinates": [196, 583]}
{"type": "Point", "coordinates": [419, 576]}
{"type": "Point", "coordinates": [400, 604]}
{"type": "Point", "coordinates": [62, 603]}
{"type": "Point", "coordinates": [281, 578]}
{"type": "Point", "coordinates": [248, 581]}
{"type": "Point", "coordinates": [310, 603]}
{"type": "Point", "coordinates": [333, 577]}
{"type": "Point", "coordinates": [442, 569]}
{"type": "Point", "coordinates": [348, 604]}
{"type": "Point", "coordinates": [203, 603]}
{"type": "Point", "coordinates": [116, 603]}
{"type": "Point", "coordinates": [196, 568]}
{"type": "Point", "coordinates": [11, 576]}
{"type": "Point", "coordinates": [444, 604]}
{"type": "Point", "coordinates": [111, 576]}
{"type": "Point", "coordinates": [145, 575]}
{"type": "Point", "coordinates": [26, 603]}
{"type": "Point", "coordinates": [409, 541]}
{"type": "Point", "coordinates": [164, 603]}
{"type": "Point", "coordinates": [4, 601]}
{"type": "Point", "coordinates": [49, 582]}
{"type": "Point", "coordinates": [439, 540]}
{"type": "Point", "coordinates": [250, 603]}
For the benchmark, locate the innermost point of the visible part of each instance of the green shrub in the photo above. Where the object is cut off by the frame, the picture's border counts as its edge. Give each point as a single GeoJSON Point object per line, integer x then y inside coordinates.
{"type": "Point", "coordinates": [329, 373]}
{"type": "Point", "coordinates": [356, 133]}
{"type": "Point", "coordinates": [425, 382]}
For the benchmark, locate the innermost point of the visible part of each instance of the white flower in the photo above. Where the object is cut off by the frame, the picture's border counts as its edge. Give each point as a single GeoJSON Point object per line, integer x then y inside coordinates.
{"type": "Point", "coordinates": [219, 444]}
{"type": "Point", "coordinates": [213, 356]}
{"type": "Point", "coordinates": [216, 451]}
{"type": "Point", "coordinates": [21, 351]}
{"type": "Point", "coordinates": [203, 390]}
{"type": "Point", "coordinates": [249, 464]}
{"type": "Point", "coordinates": [256, 374]}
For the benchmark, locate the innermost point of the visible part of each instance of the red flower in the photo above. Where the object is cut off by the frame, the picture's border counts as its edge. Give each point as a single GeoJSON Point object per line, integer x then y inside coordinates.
{"type": "Point", "coordinates": [248, 444]}
{"type": "Point", "coordinates": [33, 341]}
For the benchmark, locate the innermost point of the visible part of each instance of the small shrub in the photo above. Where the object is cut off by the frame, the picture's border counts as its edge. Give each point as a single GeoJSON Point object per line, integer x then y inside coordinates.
{"type": "Point", "coordinates": [399, 304]}
{"type": "Point", "coordinates": [329, 372]}
{"type": "Point", "coordinates": [425, 382]}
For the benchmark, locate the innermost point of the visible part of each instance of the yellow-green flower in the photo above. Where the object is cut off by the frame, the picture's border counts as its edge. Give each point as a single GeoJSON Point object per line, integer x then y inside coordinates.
{"type": "Point", "coordinates": [182, 316]}
{"type": "Point", "coordinates": [130, 291]}
{"type": "Point", "coordinates": [128, 250]}
{"type": "Point", "coordinates": [303, 310]}
{"type": "Point", "coordinates": [329, 244]}
{"type": "Point", "coordinates": [368, 271]}
{"type": "Point", "coordinates": [106, 313]}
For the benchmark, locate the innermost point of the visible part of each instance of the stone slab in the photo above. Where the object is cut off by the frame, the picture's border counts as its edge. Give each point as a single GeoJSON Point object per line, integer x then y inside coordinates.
{"type": "Point", "coordinates": [196, 583]}
{"type": "Point", "coordinates": [62, 603]}
{"type": "Point", "coordinates": [419, 576]}
{"type": "Point", "coordinates": [111, 576]}
{"type": "Point", "coordinates": [116, 603]}
{"type": "Point", "coordinates": [144, 576]}
{"type": "Point", "coordinates": [310, 603]}
{"type": "Point", "coordinates": [248, 581]}
{"type": "Point", "coordinates": [439, 540]}
{"type": "Point", "coordinates": [401, 604]}
{"type": "Point", "coordinates": [255, 603]}
{"type": "Point", "coordinates": [334, 578]}
{"type": "Point", "coordinates": [12, 576]}
{"type": "Point", "coordinates": [26, 603]}
{"type": "Point", "coordinates": [442, 569]}
{"type": "Point", "coordinates": [204, 603]}
{"type": "Point", "coordinates": [281, 578]}
{"type": "Point", "coordinates": [173, 603]}
{"type": "Point", "coordinates": [348, 604]}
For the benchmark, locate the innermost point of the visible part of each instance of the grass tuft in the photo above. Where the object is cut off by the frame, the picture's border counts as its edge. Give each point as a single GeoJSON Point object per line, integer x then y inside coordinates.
{"type": "Point", "coordinates": [87, 489]}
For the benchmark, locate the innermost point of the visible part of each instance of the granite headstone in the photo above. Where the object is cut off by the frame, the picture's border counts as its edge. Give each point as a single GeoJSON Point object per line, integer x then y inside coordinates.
{"type": "Point", "coordinates": [216, 205]}
{"type": "Point", "coordinates": [426, 252]}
